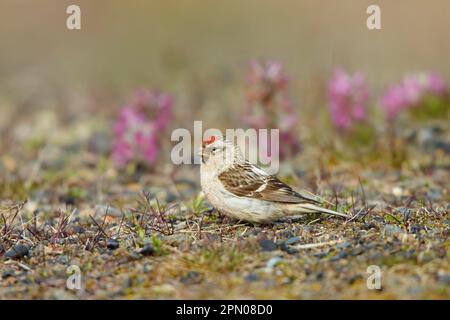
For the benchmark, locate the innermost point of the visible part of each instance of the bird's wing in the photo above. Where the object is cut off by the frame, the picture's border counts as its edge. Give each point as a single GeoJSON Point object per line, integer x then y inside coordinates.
{"type": "Point", "coordinates": [247, 180]}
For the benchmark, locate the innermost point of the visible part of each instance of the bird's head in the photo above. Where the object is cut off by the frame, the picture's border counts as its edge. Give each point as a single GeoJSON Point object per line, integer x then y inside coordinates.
{"type": "Point", "coordinates": [219, 153]}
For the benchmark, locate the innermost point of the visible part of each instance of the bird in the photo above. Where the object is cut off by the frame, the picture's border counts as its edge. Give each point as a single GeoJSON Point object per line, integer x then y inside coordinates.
{"type": "Point", "coordinates": [242, 190]}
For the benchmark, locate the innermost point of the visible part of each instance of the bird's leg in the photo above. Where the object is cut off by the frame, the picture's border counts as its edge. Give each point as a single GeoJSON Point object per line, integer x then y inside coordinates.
{"type": "Point", "coordinates": [223, 217]}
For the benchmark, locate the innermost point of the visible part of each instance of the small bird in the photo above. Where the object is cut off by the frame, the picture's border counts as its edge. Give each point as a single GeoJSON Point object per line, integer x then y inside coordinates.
{"type": "Point", "coordinates": [241, 190]}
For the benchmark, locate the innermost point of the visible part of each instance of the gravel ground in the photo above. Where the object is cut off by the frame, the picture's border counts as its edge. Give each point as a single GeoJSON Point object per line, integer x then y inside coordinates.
{"type": "Point", "coordinates": [144, 235]}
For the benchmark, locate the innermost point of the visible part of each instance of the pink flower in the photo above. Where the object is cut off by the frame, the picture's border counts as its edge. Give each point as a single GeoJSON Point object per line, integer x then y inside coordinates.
{"type": "Point", "coordinates": [268, 104]}
{"type": "Point", "coordinates": [394, 101]}
{"type": "Point", "coordinates": [436, 84]}
{"type": "Point", "coordinates": [411, 91]}
{"type": "Point", "coordinates": [157, 105]}
{"type": "Point", "coordinates": [265, 78]}
{"type": "Point", "coordinates": [348, 97]}
{"type": "Point", "coordinates": [413, 87]}
{"type": "Point", "coordinates": [140, 127]}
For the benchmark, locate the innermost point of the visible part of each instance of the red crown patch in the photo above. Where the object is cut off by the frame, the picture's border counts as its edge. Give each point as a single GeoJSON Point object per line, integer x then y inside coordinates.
{"type": "Point", "coordinates": [209, 141]}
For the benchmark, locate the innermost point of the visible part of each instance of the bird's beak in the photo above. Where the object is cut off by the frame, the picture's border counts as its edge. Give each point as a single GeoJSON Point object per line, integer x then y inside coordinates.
{"type": "Point", "coordinates": [202, 156]}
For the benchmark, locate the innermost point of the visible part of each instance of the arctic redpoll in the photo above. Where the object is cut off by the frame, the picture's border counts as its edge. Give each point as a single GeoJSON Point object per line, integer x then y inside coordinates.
{"type": "Point", "coordinates": [239, 189]}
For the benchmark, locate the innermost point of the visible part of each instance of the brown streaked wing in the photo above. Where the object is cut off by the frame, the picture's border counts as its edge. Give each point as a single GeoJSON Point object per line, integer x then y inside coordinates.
{"type": "Point", "coordinates": [242, 180]}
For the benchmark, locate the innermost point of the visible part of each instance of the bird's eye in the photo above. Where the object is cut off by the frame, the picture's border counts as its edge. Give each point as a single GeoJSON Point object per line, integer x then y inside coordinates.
{"type": "Point", "coordinates": [213, 150]}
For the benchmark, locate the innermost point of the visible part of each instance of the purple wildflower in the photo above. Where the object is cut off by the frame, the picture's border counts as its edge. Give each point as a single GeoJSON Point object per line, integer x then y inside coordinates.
{"type": "Point", "coordinates": [268, 104]}
{"type": "Point", "coordinates": [348, 97]}
{"type": "Point", "coordinates": [411, 91]}
{"type": "Point", "coordinates": [394, 101]}
{"type": "Point", "coordinates": [436, 84]}
{"type": "Point", "coordinates": [140, 126]}
{"type": "Point", "coordinates": [265, 79]}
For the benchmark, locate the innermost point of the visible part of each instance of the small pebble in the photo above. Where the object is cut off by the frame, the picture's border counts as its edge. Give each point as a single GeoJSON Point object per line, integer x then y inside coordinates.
{"type": "Point", "coordinates": [353, 279]}
{"type": "Point", "coordinates": [78, 229]}
{"type": "Point", "coordinates": [251, 277]}
{"type": "Point", "coordinates": [68, 199]}
{"type": "Point", "coordinates": [357, 252]}
{"type": "Point", "coordinates": [112, 244]}
{"type": "Point", "coordinates": [106, 209]}
{"type": "Point", "coordinates": [288, 249]}
{"type": "Point", "coordinates": [343, 245]}
{"type": "Point", "coordinates": [148, 268]}
{"type": "Point", "coordinates": [369, 225]}
{"type": "Point", "coordinates": [7, 274]}
{"type": "Point", "coordinates": [100, 143]}
{"type": "Point", "coordinates": [191, 277]}
{"type": "Point", "coordinates": [307, 229]}
{"type": "Point", "coordinates": [397, 191]}
{"type": "Point", "coordinates": [340, 255]}
{"type": "Point", "coordinates": [267, 245]}
{"type": "Point", "coordinates": [320, 275]}
{"type": "Point", "coordinates": [406, 212]}
{"type": "Point", "coordinates": [445, 279]}
{"type": "Point", "coordinates": [147, 250]}
{"type": "Point", "coordinates": [128, 283]}
{"type": "Point", "coordinates": [62, 259]}
{"type": "Point", "coordinates": [416, 228]}
{"type": "Point", "coordinates": [171, 197]}
{"type": "Point", "coordinates": [434, 194]}
{"type": "Point", "coordinates": [177, 239]}
{"type": "Point", "coordinates": [410, 254]}
{"type": "Point", "coordinates": [272, 263]}
{"type": "Point", "coordinates": [391, 230]}
{"type": "Point", "coordinates": [292, 240]}
{"type": "Point", "coordinates": [17, 252]}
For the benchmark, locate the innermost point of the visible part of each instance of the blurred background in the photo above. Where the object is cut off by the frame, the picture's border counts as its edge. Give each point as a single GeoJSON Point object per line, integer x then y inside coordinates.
{"type": "Point", "coordinates": [76, 132]}
{"type": "Point", "coordinates": [177, 45]}
{"type": "Point", "coordinates": [198, 50]}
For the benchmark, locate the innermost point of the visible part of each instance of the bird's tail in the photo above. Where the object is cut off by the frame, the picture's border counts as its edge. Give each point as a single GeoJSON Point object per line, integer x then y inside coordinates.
{"type": "Point", "coordinates": [311, 208]}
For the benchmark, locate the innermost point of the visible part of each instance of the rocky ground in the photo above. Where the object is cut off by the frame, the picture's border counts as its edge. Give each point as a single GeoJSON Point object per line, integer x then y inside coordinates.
{"type": "Point", "coordinates": [143, 234]}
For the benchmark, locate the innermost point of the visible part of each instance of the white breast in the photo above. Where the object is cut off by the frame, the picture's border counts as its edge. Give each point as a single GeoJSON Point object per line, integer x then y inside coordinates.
{"type": "Point", "coordinates": [241, 208]}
